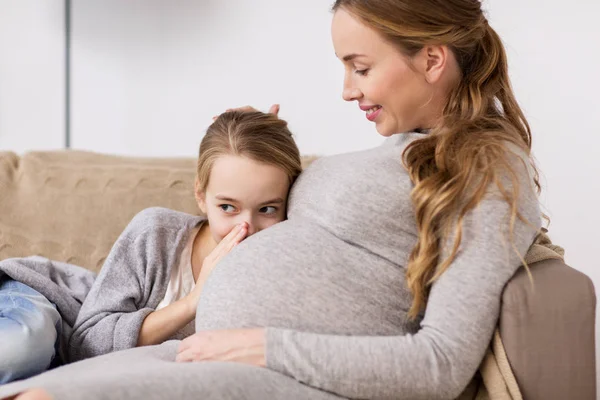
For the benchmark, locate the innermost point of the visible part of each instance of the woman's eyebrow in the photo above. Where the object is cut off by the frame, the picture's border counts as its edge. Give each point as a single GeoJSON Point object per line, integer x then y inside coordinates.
{"type": "Point", "coordinates": [352, 56]}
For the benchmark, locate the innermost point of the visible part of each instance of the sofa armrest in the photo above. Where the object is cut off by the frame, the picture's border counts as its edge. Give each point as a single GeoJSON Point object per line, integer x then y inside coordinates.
{"type": "Point", "coordinates": [548, 332]}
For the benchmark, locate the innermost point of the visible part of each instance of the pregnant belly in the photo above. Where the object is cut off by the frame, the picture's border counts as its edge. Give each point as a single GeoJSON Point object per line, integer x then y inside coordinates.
{"type": "Point", "coordinates": [299, 276]}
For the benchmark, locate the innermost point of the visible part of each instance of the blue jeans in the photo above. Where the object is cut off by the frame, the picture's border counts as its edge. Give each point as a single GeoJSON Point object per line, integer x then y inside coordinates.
{"type": "Point", "coordinates": [29, 330]}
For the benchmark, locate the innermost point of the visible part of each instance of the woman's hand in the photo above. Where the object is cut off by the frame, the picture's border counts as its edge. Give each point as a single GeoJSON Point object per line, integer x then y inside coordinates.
{"type": "Point", "coordinates": [245, 346]}
{"type": "Point", "coordinates": [233, 238]}
{"type": "Point", "coordinates": [274, 109]}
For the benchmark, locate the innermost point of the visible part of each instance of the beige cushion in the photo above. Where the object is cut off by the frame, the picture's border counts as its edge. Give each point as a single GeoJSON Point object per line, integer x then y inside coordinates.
{"type": "Point", "coordinates": [71, 205]}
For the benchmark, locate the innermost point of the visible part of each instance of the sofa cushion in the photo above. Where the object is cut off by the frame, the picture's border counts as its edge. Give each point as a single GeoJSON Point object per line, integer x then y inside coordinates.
{"type": "Point", "coordinates": [71, 205]}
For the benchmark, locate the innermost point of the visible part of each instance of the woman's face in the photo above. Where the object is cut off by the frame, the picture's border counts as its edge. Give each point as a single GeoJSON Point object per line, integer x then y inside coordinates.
{"type": "Point", "coordinates": [243, 190]}
{"type": "Point", "coordinates": [388, 86]}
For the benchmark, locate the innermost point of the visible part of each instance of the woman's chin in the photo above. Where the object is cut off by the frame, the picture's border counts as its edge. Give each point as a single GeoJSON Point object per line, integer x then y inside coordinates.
{"type": "Point", "coordinates": [384, 131]}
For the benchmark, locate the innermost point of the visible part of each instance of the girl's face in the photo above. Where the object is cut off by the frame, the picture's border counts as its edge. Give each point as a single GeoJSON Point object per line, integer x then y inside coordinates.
{"type": "Point", "coordinates": [395, 92]}
{"type": "Point", "coordinates": [243, 190]}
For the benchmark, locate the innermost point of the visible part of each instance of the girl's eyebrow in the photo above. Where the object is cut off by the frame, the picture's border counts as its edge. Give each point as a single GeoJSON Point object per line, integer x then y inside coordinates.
{"type": "Point", "coordinates": [277, 200]}
{"type": "Point", "coordinates": [225, 198]}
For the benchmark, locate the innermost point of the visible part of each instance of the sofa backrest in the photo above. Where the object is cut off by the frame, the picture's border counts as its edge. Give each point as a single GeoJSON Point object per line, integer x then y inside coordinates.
{"type": "Point", "coordinates": [72, 205]}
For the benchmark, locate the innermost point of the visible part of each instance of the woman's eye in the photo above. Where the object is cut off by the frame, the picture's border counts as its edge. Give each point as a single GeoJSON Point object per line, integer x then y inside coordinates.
{"type": "Point", "coordinates": [269, 210]}
{"type": "Point", "coordinates": [228, 208]}
{"type": "Point", "coordinates": [361, 72]}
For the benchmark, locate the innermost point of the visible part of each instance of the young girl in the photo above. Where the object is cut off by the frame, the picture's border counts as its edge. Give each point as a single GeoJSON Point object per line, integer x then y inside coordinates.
{"type": "Point", "coordinates": [149, 287]}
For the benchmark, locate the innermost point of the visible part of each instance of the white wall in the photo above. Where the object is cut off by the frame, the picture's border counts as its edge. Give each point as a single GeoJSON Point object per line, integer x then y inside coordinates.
{"type": "Point", "coordinates": [32, 55]}
{"type": "Point", "coordinates": [148, 75]}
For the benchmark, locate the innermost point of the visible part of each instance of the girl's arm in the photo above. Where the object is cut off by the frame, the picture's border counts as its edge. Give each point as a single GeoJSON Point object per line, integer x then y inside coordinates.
{"type": "Point", "coordinates": [162, 324]}
{"type": "Point", "coordinates": [113, 312]}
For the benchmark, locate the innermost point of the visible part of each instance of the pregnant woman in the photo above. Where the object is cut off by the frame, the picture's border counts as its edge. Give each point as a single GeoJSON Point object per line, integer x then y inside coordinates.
{"type": "Point", "coordinates": [385, 281]}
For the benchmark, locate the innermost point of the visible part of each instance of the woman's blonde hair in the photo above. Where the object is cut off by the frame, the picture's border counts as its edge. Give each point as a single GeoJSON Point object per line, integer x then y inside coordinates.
{"type": "Point", "coordinates": [453, 166]}
{"type": "Point", "coordinates": [258, 136]}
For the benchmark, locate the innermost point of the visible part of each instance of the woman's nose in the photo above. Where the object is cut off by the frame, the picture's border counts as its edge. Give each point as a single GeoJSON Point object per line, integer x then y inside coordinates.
{"type": "Point", "coordinates": [351, 93]}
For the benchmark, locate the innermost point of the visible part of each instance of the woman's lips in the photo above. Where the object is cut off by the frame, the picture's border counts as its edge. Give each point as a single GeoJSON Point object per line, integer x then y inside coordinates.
{"type": "Point", "coordinates": [373, 113]}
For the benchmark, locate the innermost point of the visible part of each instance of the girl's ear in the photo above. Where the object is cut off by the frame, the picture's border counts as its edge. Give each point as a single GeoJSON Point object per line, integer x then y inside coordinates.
{"type": "Point", "coordinates": [200, 196]}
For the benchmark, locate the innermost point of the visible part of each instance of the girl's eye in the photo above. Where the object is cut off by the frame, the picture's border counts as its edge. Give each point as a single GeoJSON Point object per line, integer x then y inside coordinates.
{"type": "Point", "coordinates": [269, 210]}
{"type": "Point", "coordinates": [361, 72]}
{"type": "Point", "coordinates": [228, 208]}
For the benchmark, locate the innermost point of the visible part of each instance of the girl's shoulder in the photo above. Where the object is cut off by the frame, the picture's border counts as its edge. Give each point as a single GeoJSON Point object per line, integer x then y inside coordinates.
{"type": "Point", "coordinates": [159, 219]}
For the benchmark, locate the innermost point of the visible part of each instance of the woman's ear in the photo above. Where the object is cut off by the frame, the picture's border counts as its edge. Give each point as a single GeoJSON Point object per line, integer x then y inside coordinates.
{"type": "Point", "coordinates": [200, 195]}
{"type": "Point", "coordinates": [434, 62]}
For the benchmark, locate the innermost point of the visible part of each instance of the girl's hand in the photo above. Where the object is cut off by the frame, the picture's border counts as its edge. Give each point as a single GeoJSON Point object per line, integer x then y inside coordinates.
{"type": "Point", "coordinates": [273, 110]}
{"type": "Point", "coordinates": [233, 238]}
{"type": "Point", "coordinates": [245, 346]}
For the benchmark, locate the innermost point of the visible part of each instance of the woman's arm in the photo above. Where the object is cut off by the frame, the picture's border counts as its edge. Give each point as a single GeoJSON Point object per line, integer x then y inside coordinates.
{"type": "Point", "coordinates": [441, 358]}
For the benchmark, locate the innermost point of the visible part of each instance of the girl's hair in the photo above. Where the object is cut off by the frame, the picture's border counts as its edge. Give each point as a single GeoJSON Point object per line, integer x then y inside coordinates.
{"type": "Point", "coordinates": [469, 149]}
{"type": "Point", "coordinates": [258, 136]}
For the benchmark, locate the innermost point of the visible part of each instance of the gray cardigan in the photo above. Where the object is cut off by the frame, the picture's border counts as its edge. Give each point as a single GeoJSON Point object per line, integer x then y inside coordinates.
{"type": "Point", "coordinates": [132, 283]}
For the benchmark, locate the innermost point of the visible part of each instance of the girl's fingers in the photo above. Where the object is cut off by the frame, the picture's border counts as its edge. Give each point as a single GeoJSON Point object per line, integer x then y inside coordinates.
{"type": "Point", "coordinates": [237, 234]}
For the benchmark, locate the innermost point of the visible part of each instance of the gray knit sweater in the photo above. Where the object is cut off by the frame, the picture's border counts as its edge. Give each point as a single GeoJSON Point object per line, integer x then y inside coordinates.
{"type": "Point", "coordinates": [329, 283]}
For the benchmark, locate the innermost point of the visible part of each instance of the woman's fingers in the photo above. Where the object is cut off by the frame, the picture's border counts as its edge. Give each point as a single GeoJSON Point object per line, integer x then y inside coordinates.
{"type": "Point", "coordinates": [274, 109]}
{"type": "Point", "coordinates": [185, 356]}
{"type": "Point", "coordinates": [190, 348]}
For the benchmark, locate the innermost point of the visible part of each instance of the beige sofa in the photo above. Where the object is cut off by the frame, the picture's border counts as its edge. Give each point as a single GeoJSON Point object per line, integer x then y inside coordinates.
{"type": "Point", "coordinates": [71, 206]}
